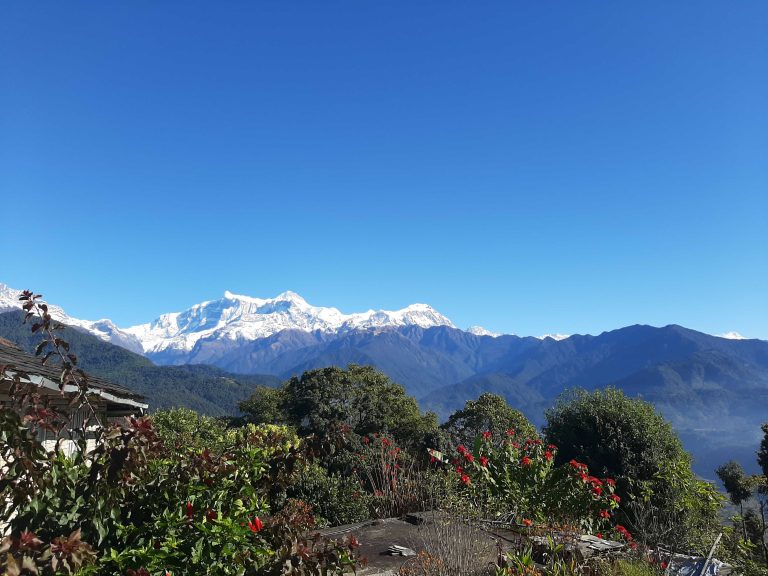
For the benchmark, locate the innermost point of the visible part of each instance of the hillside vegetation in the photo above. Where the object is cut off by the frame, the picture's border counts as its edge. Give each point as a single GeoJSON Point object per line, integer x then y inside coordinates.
{"type": "Point", "coordinates": [205, 389]}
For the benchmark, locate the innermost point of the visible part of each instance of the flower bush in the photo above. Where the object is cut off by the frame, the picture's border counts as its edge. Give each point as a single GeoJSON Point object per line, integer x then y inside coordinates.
{"type": "Point", "coordinates": [516, 478]}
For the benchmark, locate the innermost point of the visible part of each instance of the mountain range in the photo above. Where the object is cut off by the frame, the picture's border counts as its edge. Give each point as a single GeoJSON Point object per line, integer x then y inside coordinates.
{"type": "Point", "coordinates": [713, 389]}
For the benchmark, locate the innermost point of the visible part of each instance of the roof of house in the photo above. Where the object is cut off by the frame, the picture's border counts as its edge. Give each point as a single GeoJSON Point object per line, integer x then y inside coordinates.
{"type": "Point", "coordinates": [32, 365]}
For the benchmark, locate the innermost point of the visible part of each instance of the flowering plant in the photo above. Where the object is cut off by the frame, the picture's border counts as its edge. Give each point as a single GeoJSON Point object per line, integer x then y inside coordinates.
{"type": "Point", "coordinates": [516, 478]}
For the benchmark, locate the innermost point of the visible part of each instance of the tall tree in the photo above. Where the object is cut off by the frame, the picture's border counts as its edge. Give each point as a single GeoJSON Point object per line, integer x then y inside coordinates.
{"type": "Point", "coordinates": [762, 454]}
{"type": "Point", "coordinates": [627, 439]}
{"type": "Point", "coordinates": [360, 397]}
{"type": "Point", "coordinates": [737, 485]}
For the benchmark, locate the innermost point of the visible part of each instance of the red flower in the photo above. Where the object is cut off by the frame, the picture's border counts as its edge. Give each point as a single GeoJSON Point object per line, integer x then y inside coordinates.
{"type": "Point", "coordinates": [255, 525]}
{"type": "Point", "coordinates": [385, 442]}
{"type": "Point", "coordinates": [548, 455]}
{"type": "Point", "coordinates": [525, 461]}
{"type": "Point", "coordinates": [211, 515]}
{"type": "Point", "coordinates": [432, 459]}
{"type": "Point", "coordinates": [616, 498]}
{"type": "Point", "coordinates": [527, 522]}
{"type": "Point", "coordinates": [461, 449]}
{"type": "Point", "coordinates": [574, 463]}
{"type": "Point", "coordinates": [468, 457]}
{"type": "Point", "coordinates": [605, 514]}
{"type": "Point", "coordinates": [597, 491]}
{"type": "Point", "coordinates": [663, 565]}
{"type": "Point", "coordinates": [515, 445]}
{"type": "Point", "coordinates": [599, 535]}
{"type": "Point", "coordinates": [551, 446]}
{"type": "Point", "coordinates": [483, 461]}
{"type": "Point", "coordinates": [465, 479]}
{"type": "Point", "coordinates": [459, 470]}
{"type": "Point", "coordinates": [510, 432]}
{"type": "Point", "coordinates": [366, 440]}
{"type": "Point", "coordinates": [487, 435]}
{"type": "Point", "coordinates": [610, 481]}
{"type": "Point", "coordinates": [190, 510]}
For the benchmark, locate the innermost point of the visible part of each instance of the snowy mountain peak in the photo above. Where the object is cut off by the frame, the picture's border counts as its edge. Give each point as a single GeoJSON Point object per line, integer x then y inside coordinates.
{"type": "Point", "coordinates": [732, 335]}
{"type": "Point", "coordinates": [480, 331]}
{"type": "Point", "coordinates": [557, 337]}
{"type": "Point", "coordinates": [239, 318]}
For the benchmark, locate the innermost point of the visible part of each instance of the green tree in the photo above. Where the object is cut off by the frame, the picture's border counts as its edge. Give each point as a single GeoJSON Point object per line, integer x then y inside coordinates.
{"type": "Point", "coordinates": [762, 454]}
{"type": "Point", "coordinates": [627, 439]}
{"type": "Point", "coordinates": [360, 397]}
{"type": "Point", "coordinates": [737, 485]}
{"type": "Point", "coordinates": [264, 406]}
{"type": "Point", "coordinates": [185, 429]}
{"type": "Point", "coordinates": [489, 413]}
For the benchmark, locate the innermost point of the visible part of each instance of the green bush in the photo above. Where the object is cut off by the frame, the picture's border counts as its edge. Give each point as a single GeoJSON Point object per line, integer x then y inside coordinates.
{"type": "Point", "coordinates": [186, 430]}
{"type": "Point", "coordinates": [490, 412]}
{"type": "Point", "coordinates": [133, 504]}
{"type": "Point", "coordinates": [335, 500]}
{"type": "Point", "coordinates": [627, 439]}
{"type": "Point", "coordinates": [516, 479]}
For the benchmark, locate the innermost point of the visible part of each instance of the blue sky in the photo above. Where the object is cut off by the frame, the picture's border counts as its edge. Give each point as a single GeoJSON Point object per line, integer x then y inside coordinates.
{"type": "Point", "coordinates": [530, 167]}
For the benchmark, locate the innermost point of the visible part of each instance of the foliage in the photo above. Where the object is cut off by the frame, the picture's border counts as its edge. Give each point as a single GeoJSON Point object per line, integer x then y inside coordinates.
{"type": "Point", "coordinates": [395, 478]}
{"type": "Point", "coordinates": [265, 406]}
{"type": "Point", "coordinates": [490, 412]}
{"type": "Point", "coordinates": [182, 429]}
{"type": "Point", "coordinates": [516, 479]}
{"type": "Point", "coordinates": [689, 519]}
{"type": "Point", "coordinates": [626, 438]}
{"type": "Point", "coordinates": [750, 549]}
{"type": "Point", "coordinates": [359, 397]}
{"type": "Point", "coordinates": [735, 480]}
{"type": "Point", "coordinates": [335, 500]}
{"type": "Point", "coordinates": [125, 503]}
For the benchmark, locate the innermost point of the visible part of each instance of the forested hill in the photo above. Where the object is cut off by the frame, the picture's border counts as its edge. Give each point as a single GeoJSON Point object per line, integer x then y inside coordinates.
{"type": "Point", "coordinates": [206, 389]}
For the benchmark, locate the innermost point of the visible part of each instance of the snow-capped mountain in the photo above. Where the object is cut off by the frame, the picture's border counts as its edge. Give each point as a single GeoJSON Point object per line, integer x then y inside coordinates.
{"type": "Point", "coordinates": [104, 329]}
{"type": "Point", "coordinates": [557, 337]}
{"type": "Point", "coordinates": [243, 318]}
{"type": "Point", "coordinates": [480, 331]}
{"type": "Point", "coordinates": [732, 335]}
{"type": "Point", "coordinates": [237, 318]}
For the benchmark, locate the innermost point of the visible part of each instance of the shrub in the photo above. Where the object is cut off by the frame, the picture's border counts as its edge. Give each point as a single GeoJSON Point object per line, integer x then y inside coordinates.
{"type": "Point", "coordinates": [627, 439]}
{"type": "Point", "coordinates": [182, 429]}
{"type": "Point", "coordinates": [490, 412]}
{"type": "Point", "coordinates": [335, 500]}
{"type": "Point", "coordinates": [517, 480]}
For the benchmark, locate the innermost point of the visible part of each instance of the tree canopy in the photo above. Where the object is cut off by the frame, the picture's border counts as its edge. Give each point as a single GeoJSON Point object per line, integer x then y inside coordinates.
{"type": "Point", "coordinates": [762, 454]}
{"type": "Point", "coordinates": [613, 434]}
{"type": "Point", "coordinates": [360, 397]}
{"type": "Point", "coordinates": [736, 482]}
{"type": "Point", "coordinates": [627, 439]}
{"type": "Point", "coordinates": [489, 413]}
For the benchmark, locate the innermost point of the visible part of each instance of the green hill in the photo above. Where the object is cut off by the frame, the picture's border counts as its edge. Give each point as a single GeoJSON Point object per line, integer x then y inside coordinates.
{"type": "Point", "coordinates": [205, 389]}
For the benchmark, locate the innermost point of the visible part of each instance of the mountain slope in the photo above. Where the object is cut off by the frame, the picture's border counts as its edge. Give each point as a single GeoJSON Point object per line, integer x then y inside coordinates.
{"type": "Point", "coordinates": [207, 389]}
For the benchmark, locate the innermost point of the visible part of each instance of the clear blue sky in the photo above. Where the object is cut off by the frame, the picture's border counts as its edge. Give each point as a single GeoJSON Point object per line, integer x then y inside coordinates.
{"type": "Point", "coordinates": [528, 166]}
